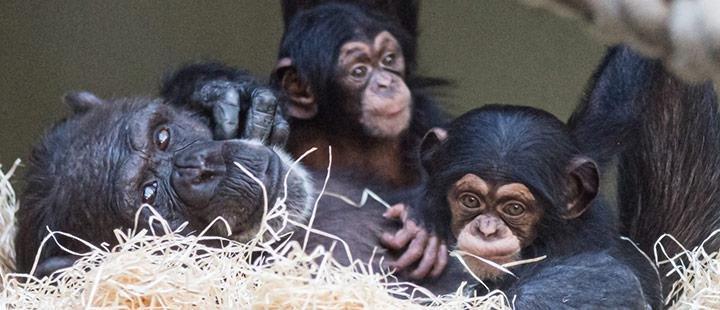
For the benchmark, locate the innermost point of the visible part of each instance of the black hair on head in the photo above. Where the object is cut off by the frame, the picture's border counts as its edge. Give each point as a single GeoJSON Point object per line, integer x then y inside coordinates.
{"type": "Point", "coordinates": [314, 37]}
{"type": "Point", "coordinates": [505, 143]}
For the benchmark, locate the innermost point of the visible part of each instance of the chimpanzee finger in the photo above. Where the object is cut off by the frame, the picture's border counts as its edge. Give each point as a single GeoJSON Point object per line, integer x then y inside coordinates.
{"type": "Point", "coordinates": [414, 251]}
{"type": "Point", "coordinates": [396, 212]}
{"type": "Point", "coordinates": [428, 259]}
{"type": "Point", "coordinates": [441, 261]}
{"type": "Point", "coordinates": [280, 131]}
{"type": "Point", "coordinates": [225, 116]}
{"type": "Point", "coordinates": [400, 239]}
{"type": "Point", "coordinates": [222, 101]}
{"type": "Point", "coordinates": [261, 115]}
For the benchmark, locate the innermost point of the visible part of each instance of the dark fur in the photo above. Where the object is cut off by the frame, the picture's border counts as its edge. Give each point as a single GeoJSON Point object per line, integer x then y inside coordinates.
{"type": "Point", "coordinates": [664, 139]}
{"type": "Point", "coordinates": [361, 229]}
{"type": "Point", "coordinates": [404, 12]}
{"type": "Point", "coordinates": [179, 87]}
{"type": "Point", "coordinates": [587, 265]}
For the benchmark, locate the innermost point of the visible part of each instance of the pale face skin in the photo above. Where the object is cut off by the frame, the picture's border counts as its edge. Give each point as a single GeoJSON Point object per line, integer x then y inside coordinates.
{"type": "Point", "coordinates": [377, 69]}
{"type": "Point", "coordinates": [492, 221]}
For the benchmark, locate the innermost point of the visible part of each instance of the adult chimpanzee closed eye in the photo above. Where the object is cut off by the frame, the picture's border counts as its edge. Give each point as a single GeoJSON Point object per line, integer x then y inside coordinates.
{"type": "Point", "coordinates": [91, 172]}
{"type": "Point", "coordinates": [509, 183]}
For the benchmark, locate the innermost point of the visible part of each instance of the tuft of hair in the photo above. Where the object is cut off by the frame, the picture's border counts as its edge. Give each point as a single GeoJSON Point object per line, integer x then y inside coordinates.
{"type": "Point", "coordinates": [8, 206]}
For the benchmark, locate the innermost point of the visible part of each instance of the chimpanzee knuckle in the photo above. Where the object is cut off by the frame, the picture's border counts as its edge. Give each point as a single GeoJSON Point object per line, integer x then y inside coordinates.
{"type": "Point", "coordinates": [441, 261]}
{"type": "Point", "coordinates": [388, 240]}
{"type": "Point", "coordinates": [280, 132]}
{"type": "Point", "coordinates": [215, 90]}
{"type": "Point", "coordinates": [394, 212]}
{"type": "Point", "coordinates": [264, 100]}
{"type": "Point", "coordinates": [415, 251]}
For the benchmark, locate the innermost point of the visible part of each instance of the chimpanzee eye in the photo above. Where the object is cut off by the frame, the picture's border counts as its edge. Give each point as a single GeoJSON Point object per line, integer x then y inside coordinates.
{"type": "Point", "coordinates": [389, 59]}
{"type": "Point", "coordinates": [149, 191]}
{"type": "Point", "coordinates": [514, 209]}
{"type": "Point", "coordinates": [359, 72]}
{"type": "Point", "coordinates": [162, 138]}
{"type": "Point", "coordinates": [469, 200]}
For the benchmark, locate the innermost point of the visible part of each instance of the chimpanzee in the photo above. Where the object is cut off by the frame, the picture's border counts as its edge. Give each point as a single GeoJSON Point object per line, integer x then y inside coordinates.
{"type": "Point", "coordinates": [663, 137]}
{"type": "Point", "coordinates": [508, 183]}
{"type": "Point", "coordinates": [352, 89]}
{"type": "Point", "coordinates": [356, 89]}
{"type": "Point", "coordinates": [92, 171]}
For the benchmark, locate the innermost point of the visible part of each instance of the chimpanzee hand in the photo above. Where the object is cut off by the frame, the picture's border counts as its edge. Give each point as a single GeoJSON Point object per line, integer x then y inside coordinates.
{"type": "Point", "coordinates": [420, 246]}
{"type": "Point", "coordinates": [230, 103]}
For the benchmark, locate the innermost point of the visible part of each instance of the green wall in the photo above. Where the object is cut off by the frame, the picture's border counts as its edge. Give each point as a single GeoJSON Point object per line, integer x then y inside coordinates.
{"type": "Point", "coordinates": [494, 50]}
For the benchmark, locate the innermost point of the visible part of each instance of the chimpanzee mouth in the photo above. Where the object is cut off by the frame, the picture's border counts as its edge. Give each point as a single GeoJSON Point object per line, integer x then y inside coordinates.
{"type": "Point", "coordinates": [391, 111]}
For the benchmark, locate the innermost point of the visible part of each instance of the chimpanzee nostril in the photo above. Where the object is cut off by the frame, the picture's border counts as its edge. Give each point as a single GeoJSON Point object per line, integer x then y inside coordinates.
{"type": "Point", "coordinates": [198, 169]}
{"type": "Point", "coordinates": [204, 176]}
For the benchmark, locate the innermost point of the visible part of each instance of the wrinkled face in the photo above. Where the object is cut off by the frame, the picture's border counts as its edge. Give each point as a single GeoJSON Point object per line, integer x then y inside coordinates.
{"type": "Point", "coordinates": [492, 221]}
{"type": "Point", "coordinates": [375, 71]}
{"type": "Point", "coordinates": [175, 166]}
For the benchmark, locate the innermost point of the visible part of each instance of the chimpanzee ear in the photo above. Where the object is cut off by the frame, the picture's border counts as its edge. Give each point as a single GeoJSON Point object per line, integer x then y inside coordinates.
{"type": "Point", "coordinates": [583, 185]}
{"type": "Point", "coordinates": [431, 143]}
{"type": "Point", "coordinates": [82, 101]}
{"type": "Point", "coordinates": [302, 101]}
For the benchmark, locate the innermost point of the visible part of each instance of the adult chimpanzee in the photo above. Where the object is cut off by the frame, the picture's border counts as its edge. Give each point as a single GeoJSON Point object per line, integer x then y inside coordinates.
{"type": "Point", "coordinates": [91, 172]}
{"type": "Point", "coordinates": [353, 89]}
{"type": "Point", "coordinates": [509, 183]}
{"type": "Point", "coordinates": [663, 137]}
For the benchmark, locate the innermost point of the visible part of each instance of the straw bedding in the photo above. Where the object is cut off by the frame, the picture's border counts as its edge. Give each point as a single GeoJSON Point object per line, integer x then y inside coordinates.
{"type": "Point", "coordinates": [163, 269]}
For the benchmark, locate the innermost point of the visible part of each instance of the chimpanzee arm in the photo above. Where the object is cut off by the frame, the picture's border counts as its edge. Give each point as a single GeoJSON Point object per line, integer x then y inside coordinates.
{"type": "Point", "coordinates": [233, 102]}
{"type": "Point", "coordinates": [584, 281]}
{"type": "Point", "coordinates": [606, 120]}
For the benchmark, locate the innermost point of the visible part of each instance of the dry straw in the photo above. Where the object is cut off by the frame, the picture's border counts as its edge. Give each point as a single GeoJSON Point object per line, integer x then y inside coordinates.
{"type": "Point", "coordinates": [698, 270]}
{"type": "Point", "coordinates": [164, 269]}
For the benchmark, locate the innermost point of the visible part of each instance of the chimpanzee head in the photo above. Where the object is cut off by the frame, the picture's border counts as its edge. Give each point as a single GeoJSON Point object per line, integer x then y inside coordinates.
{"type": "Point", "coordinates": [92, 172]}
{"type": "Point", "coordinates": [345, 68]}
{"type": "Point", "coordinates": [505, 180]}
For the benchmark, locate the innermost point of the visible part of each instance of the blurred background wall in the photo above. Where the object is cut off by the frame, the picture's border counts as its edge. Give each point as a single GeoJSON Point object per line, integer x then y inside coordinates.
{"type": "Point", "coordinates": [494, 50]}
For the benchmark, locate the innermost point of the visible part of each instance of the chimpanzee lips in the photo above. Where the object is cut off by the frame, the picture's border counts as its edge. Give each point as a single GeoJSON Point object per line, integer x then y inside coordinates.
{"type": "Point", "coordinates": [490, 248]}
{"type": "Point", "coordinates": [390, 111]}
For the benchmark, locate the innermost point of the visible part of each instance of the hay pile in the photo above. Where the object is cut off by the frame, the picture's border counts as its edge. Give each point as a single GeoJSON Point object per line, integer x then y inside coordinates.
{"type": "Point", "coordinates": [698, 286]}
{"type": "Point", "coordinates": [168, 270]}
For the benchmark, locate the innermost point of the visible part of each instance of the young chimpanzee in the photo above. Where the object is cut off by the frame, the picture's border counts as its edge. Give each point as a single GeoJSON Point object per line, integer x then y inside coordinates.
{"type": "Point", "coordinates": [345, 73]}
{"type": "Point", "coordinates": [91, 172]}
{"type": "Point", "coordinates": [508, 183]}
{"type": "Point", "coordinates": [663, 137]}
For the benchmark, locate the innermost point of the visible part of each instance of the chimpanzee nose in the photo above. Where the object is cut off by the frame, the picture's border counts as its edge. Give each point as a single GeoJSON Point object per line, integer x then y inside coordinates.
{"type": "Point", "coordinates": [383, 79]}
{"type": "Point", "coordinates": [197, 171]}
{"type": "Point", "coordinates": [488, 226]}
